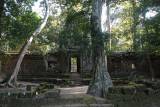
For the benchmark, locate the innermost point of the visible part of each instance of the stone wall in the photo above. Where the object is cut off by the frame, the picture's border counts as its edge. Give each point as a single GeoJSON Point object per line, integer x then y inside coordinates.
{"type": "Point", "coordinates": [121, 63]}
{"type": "Point", "coordinates": [31, 64]}
{"type": "Point", "coordinates": [127, 63]}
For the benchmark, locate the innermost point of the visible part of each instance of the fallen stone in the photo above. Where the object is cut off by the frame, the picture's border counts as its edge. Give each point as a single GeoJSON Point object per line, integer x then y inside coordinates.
{"type": "Point", "coordinates": [52, 93]}
{"type": "Point", "coordinates": [150, 91]}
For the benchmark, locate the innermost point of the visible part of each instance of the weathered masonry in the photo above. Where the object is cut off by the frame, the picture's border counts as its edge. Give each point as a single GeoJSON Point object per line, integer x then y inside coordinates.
{"type": "Point", "coordinates": [62, 65]}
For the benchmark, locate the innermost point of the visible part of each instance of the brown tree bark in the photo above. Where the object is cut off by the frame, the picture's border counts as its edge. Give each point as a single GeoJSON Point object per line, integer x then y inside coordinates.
{"type": "Point", "coordinates": [101, 80]}
{"type": "Point", "coordinates": [12, 80]}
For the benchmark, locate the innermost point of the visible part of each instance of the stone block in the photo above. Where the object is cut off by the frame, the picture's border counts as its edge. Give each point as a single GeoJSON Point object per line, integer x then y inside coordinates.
{"type": "Point", "coordinates": [129, 90]}
{"type": "Point", "coordinates": [140, 87]}
{"type": "Point", "coordinates": [43, 84]}
{"type": "Point", "coordinates": [155, 85]}
{"type": "Point", "coordinates": [115, 90]}
{"type": "Point", "coordinates": [120, 82]}
{"type": "Point", "coordinates": [140, 96]}
{"type": "Point", "coordinates": [101, 105]}
{"type": "Point", "coordinates": [128, 97]}
{"type": "Point", "coordinates": [112, 102]}
{"type": "Point", "coordinates": [52, 93]}
{"type": "Point", "coordinates": [115, 97]}
{"type": "Point", "coordinates": [150, 91]}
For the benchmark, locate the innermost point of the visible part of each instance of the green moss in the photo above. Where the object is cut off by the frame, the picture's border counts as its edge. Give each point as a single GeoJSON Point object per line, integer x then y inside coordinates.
{"type": "Point", "coordinates": [140, 87]}
{"type": "Point", "coordinates": [128, 97]}
{"type": "Point", "coordinates": [129, 89]}
{"type": "Point", "coordinates": [112, 102]}
{"type": "Point", "coordinates": [140, 96]}
{"type": "Point", "coordinates": [43, 84]}
{"type": "Point", "coordinates": [115, 90]}
{"type": "Point", "coordinates": [120, 82]}
{"type": "Point", "coordinates": [115, 97]}
{"type": "Point", "coordinates": [89, 99]}
{"type": "Point", "coordinates": [72, 82]}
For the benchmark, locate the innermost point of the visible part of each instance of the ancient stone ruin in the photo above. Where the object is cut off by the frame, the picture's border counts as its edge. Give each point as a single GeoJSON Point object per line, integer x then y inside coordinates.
{"type": "Point", "coordinates": [62, 66]}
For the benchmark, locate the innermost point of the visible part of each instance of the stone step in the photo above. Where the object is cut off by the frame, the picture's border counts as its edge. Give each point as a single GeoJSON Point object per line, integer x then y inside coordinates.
{"type": "Point", "coordinates": [71, 99]}
{"type": "Point", "coordinates": [81, 105]}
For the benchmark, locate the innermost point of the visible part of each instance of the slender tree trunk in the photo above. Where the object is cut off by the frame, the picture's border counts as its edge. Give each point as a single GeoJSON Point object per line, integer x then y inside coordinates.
{"type": "Point", "coordinates": [134, 25]}
{"type": "Point", "coordinates": [12, 80]}
{"type": "Point", "coordinates": [101, 80]}
{"type": "Point", "coordinates": [147, 54]}
{"type": "Point", "coordinates": [108, 26]}
{"type": "Point", "coordinates": [1, 14]}
{"type": "Point", "coordinates": [151, 68]}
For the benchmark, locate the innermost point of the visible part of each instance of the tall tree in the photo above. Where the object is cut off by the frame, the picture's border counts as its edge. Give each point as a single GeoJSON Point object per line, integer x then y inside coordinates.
{"type": "Point", "coordinates": [134, 24]}
{"type": "Point", "coordinates": [12, 80]}
{"type": "Point", "coordinates": [101, 80]}
{"type": "Point", "coordinates": [108, 25]}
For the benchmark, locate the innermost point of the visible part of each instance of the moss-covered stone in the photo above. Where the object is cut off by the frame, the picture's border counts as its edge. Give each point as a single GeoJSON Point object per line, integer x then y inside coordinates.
{"type": "Point", "coordinates": [52, 93]}
{"type": "Point", "coordinates": [120, 82]}
{"type": "Point", "coordinates": [128, 97]}
{"type": "Point", "coordinates": [115, 97]}
{"type": "Point", "coordinates": [155, 85]}
{"type": "Point", "coordinates": [88, 99]}
{"type": "Point", "coordinates": [115, 90]}
{"type": "Point", "coordinates": [112, 102]}
{"type": "Point", "coordinates": [140, 96]}
{"type": "Point", "coordinates": [129, 89]}
{"type": "Point", "coordinates": [128, 104]}
{"type": "Point", "coordinates": [39, 88]}
{"type": "Point", "coordinates": [72, 82]}
{"type": "Point", "coordinates": [140, 87]}
{"type": "Point", "coordinates": [42, 84]}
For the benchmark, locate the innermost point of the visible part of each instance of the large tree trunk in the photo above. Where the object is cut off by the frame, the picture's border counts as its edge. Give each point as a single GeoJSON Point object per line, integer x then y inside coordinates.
{"type": "Point", "coordinates": [101, 80]}
{"type": "Point", "coordinates": [12, 80]}
{"type": "Point", "coordinates": [1, 15]}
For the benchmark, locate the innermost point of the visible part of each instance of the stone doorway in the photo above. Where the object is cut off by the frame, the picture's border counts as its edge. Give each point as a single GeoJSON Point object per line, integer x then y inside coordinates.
{"type": "Point", "coordinates": [74, 64]}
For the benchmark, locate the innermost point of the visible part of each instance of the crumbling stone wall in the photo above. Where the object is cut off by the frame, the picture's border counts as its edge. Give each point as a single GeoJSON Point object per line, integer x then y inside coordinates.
{"type": "Point", "coordinates": [120, 63]}
{"type": "Point", "coordinates": [31, 64]}
{"type": "Point", "coordinates": [127, 63]}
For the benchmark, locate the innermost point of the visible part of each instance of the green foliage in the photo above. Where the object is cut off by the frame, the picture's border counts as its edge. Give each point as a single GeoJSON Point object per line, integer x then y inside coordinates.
{"type": "Point", "coordinates": [18, 23]}
{"type": "Point", "coordinates": [18, 30]}
{"type": "Point", "coordinates": [133, 24]}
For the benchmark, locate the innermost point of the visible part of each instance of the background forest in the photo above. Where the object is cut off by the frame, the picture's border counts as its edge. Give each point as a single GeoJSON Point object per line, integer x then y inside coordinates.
{"type": "Point", "coordinates": [131, 25]}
